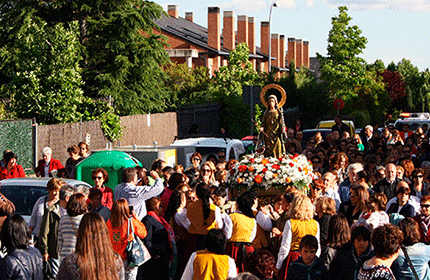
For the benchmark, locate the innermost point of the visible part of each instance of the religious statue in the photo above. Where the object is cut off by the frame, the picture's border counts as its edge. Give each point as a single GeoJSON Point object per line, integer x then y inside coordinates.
{"type": "Point", "coordinates": [273, 126]}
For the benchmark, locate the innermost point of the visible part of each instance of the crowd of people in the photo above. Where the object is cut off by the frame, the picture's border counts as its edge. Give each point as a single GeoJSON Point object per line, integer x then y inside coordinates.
{"type": "Point", "coordinates": [366, 216]}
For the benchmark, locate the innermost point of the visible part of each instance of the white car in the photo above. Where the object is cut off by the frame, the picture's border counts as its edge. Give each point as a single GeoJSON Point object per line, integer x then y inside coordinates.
{"type": "Point", "coordinates": [24, 192]}
{"type": "Point", "coordinates": [233, 148]}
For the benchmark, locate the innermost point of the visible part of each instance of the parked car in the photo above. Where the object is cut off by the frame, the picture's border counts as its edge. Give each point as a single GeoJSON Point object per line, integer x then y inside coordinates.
{"type": "Point", "coordinates": [329, 123]}
{"type": "Point", "coordinates": [414, 120]}
{"type": "Point", "coordinates": [233, 148]}
{"type": "Point", "coordinates": [308, 133]}
{"type": "Point", "coordinates": [24, 192]}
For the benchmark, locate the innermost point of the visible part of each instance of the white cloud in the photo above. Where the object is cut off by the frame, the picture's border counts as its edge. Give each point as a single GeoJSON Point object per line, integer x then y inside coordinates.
{"type": "Point", "coordinates": [310, 3]}
{"type": "Point", "coordinates": [410, 5]}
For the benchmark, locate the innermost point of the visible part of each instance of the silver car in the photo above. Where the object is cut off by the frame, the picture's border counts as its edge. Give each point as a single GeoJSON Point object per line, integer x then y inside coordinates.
{"type": "Point", "coordinates": [24, 192]}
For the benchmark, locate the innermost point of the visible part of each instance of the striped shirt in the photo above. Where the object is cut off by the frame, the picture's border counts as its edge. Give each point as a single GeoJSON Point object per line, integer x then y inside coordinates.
{"type": "Point", "coordinates": [67, 234]}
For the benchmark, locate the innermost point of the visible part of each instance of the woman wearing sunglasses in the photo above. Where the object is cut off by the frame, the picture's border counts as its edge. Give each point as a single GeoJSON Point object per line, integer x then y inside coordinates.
{"type": "Point", "coordinates": [423, 219]}
{"type": "Point", "coordinates": [418, 187]}
{"type": "Point", "coordinates": [100, 177]}
{"type": "Point", "coordinates": [196, 160]}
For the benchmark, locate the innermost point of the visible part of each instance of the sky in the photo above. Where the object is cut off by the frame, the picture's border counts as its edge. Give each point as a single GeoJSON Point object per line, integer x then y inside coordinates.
{"type": "Point", "coordinates": [395, 29]}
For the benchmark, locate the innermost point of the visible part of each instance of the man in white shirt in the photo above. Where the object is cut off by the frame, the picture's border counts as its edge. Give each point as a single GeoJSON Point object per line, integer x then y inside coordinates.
{"type": "Point", "coordinates": [137, 195]}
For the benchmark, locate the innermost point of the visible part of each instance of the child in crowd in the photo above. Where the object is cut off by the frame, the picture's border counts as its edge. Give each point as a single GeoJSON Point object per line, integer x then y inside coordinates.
{"type": "Point", "coordinates": [308, 266]}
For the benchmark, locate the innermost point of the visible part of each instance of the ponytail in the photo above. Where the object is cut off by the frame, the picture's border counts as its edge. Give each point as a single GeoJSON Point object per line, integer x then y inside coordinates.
{"type": "Point", "coordinates": [203, 193]}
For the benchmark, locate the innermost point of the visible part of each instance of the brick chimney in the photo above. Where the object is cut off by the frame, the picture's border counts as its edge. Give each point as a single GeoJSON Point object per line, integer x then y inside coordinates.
{"type": "Point", "coordinates": [228, 31]}
{"type": "Point", "coordinates": [265, 37]}
{"type": "Point", "coordinates": [299, 53]}
{"type": "Point", "coordinates": [189, 16]}
{"type": "Point", "coordinates": [275, 49]}
{"type": "Point", "coordinates": [214, 30]}
{"type": "Point", "coordinates": [291, 54]}
{"type": "Point", "coordinates": [306, 60]}
{"type": "Point", "coordinates": [282, 51]}
{"type": "Point", "coordinates": [242, 29]}
{"type": "Point", "coordinates": [172, 10]}
{"type": "Point", "coordinates": [251, 35]}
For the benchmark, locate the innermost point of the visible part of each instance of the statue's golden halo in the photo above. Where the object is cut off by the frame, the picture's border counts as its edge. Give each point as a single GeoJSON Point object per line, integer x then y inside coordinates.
{"type": "Point", "coordinates": [274, 86]}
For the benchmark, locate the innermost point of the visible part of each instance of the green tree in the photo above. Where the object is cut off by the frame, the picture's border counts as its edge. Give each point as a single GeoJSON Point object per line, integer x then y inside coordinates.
{"type": "Point", "coordinates": [40, 73]}
{"type": "Point", "coordinates": [122, 58]}
{"type": "Point", "coordinates": [342, 69]}
{"type": "Point", "coordinates": [425, 78]}
{"type": "Point", "coordinates": [346, 74]}
{"type": "Point", "coordinates": [226, 89]}
{"type": "Point", "coordinates": [239, 72]}
{"type": "Point", "coordinates": [411, 76]}
{"type": "Point", "coordinates": [188, 86]}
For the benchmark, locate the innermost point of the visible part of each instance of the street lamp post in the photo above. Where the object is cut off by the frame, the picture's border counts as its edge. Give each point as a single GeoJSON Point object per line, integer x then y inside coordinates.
{"type": "Point", "coordinates": [270, 36]}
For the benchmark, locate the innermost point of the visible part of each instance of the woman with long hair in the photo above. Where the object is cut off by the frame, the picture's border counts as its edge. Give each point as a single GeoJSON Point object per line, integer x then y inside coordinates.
{"type": "Point", "coordinates": [177, 202]}
{"type": "Point", "coordinates": [300, 224]}
{"type": "Point", "coordinates": [338, 240]}
{"type": "Point", "coordinates": [161, 244]}
{"type": "Point", "coordinates": [207, 174]}
{"type": "Point", "coordinates": [174, 181]}
{"type": "Point", "coordinates": [325, 208]}
{"type": "Point", "coordinates": [339, 163]}
{"type": "Point", "coordinates": [241, 228]}
{"type": "Point", "coordinates": [198, 218]}
{"type": "Point", "coordinates": [69, 224]}
{"type": "Point", "coordinates": [22, 261]}
{"type": "Point", "coordinates": [408, 166]}
{"type": "Point", "coordinates": [359, 196]}
{"type": "Point", "coordinates": [117, 227]}
{"type": "Point", "coordinates": [94, 257]}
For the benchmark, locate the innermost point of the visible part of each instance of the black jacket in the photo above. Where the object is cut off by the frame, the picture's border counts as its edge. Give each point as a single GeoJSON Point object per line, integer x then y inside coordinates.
{"type": "Point", "coordinates": [407, 210]}
{"type": "Point", "coordinates": [300, 271]}
{"type": "Point", "coordinates": [22, 264]}
{"type": "Point", "coordinates": [383, 186]}
{"type": "Point", "coordinates": [350, 265]}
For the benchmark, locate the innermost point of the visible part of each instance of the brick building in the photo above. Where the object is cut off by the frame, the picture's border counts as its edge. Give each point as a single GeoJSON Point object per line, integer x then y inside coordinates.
{"type": "Point", "coordinates": [197, 46]}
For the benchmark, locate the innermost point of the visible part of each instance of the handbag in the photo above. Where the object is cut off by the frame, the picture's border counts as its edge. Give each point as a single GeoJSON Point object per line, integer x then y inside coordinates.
{"type": "Point", "coordinates": [137, 253]}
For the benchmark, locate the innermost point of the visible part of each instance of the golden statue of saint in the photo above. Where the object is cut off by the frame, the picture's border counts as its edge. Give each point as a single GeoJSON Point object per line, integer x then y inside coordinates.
{"type": "Point", "coordinates": [273, 128]}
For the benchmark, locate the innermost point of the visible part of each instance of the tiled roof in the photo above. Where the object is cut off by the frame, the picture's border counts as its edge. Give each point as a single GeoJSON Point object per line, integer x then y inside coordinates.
{"type": "Point", "coordinates": [190, 32]}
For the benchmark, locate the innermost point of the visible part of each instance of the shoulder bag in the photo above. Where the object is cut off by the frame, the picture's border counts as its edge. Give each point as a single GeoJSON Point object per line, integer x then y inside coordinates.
{"type": "Point", "coordinates": [137, 253]}
{"type": "Point", "coordinates": [410, 263]}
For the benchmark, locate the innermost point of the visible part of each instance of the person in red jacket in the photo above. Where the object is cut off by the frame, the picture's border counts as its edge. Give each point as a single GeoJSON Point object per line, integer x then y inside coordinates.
{"type": "Point", "coordinates": [11, 169]}
{"type": "Point", "coordinates": [48, 167]}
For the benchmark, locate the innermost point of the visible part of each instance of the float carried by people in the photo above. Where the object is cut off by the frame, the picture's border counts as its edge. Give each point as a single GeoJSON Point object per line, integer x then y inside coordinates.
{"type": "Point", "coordinates": [270, 174]}
{"type": "Point", "coordinates": [272, 170]}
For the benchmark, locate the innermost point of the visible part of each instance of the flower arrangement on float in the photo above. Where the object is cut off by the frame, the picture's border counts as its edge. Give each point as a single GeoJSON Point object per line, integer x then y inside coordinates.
{"type": "Point", "coordinates": [257, 171]}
